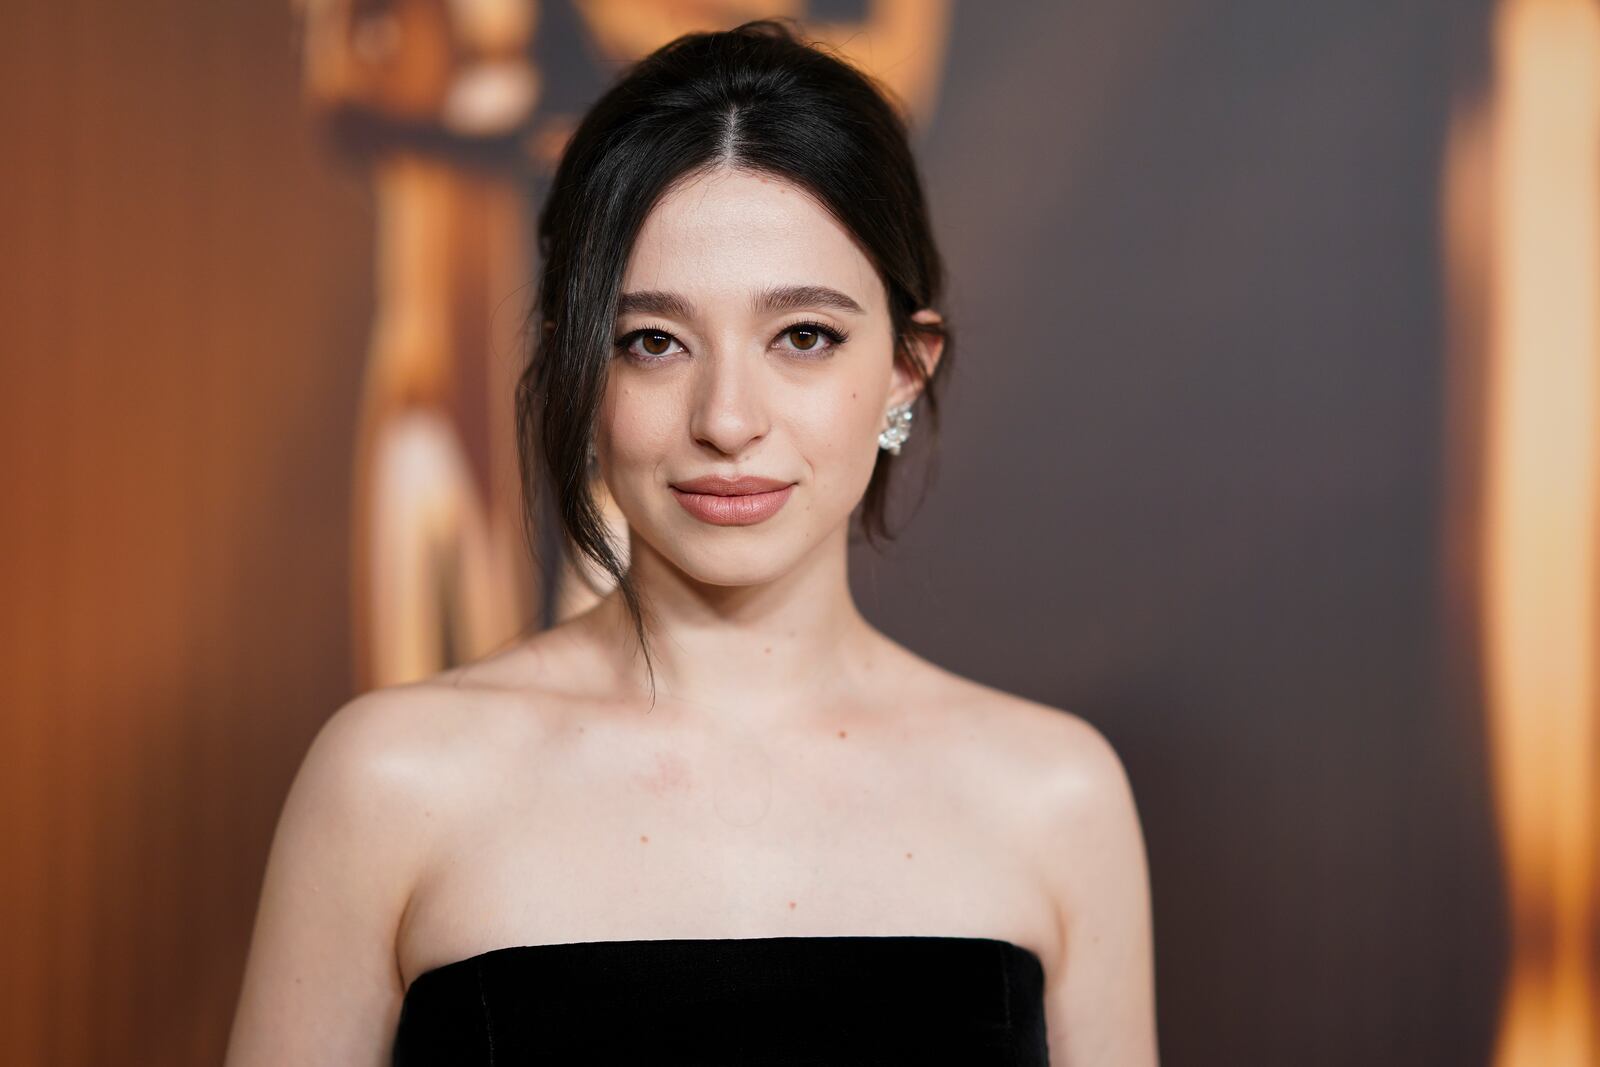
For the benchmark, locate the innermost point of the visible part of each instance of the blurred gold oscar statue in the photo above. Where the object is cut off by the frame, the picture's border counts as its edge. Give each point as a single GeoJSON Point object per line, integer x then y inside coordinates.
{"type": "Point", "coordinates": [432, 96]}
{"type": "Point", "coordinates": [1521, 203]}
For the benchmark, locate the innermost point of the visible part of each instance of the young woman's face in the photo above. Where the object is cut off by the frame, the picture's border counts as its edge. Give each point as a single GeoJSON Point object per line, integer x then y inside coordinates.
{"type": "Point", "coordinates": [754, 342]}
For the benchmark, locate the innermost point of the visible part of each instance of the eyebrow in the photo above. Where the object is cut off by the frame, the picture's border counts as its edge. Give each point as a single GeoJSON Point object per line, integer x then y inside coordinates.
{"type": "Point", "coordinates": [774, 299]}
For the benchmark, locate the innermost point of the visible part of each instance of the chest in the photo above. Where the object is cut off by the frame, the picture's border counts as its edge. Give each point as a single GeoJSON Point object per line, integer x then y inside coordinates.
{"type": "Point", "coordinates": [731, 839]}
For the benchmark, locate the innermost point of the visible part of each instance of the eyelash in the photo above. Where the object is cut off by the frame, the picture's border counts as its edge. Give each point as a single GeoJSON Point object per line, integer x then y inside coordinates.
{"type": "Point", "coordinates": [835, 339]}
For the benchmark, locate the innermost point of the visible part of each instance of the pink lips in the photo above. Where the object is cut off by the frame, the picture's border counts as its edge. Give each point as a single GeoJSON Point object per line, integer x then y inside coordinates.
{"type": "Point", "coordinates": [732, 501]}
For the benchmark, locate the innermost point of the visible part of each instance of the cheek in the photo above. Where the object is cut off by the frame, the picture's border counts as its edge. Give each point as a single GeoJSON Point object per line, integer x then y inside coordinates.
{"type": "Point", "coordinates": [841, 428]}
{"type": "Point", "coordinates": [636, 427]}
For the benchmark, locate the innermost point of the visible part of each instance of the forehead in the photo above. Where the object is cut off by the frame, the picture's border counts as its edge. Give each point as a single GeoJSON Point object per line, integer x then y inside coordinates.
{"type": "Point", "coordinates": [723, 235]}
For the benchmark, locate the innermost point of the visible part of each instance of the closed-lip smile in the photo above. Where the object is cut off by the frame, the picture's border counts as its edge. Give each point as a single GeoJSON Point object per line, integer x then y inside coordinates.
{"type": "Point", "coordinates": [741, 501]}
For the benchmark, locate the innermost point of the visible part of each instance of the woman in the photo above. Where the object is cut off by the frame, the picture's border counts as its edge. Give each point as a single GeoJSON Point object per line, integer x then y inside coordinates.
{"type": "Point", "coordinates": [717, 818]}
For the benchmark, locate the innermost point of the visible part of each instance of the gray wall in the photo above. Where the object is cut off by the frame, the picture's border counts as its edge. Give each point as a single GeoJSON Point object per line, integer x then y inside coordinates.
{"type": "Point", "coordinates": [1191, 488]}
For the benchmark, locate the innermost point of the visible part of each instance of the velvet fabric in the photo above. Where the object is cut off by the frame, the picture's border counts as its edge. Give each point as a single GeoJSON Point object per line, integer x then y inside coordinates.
{"type": "Point", "coordinates": [770, 1001]}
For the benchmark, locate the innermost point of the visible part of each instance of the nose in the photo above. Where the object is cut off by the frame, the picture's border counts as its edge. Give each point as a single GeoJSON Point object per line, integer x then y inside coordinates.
{"type": "Point", "coordinates": [729, 411]}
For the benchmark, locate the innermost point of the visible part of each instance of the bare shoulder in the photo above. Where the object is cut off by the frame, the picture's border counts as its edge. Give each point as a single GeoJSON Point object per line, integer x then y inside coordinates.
{"type": "Point", "coordinates": [1060, 784]}
{"type": "Point", "coordinates": [431, 751]}
{"type": "Point", "coordinates": [423, 758]}
{"type": "Point", "coordinates": [1071, 774]}
{"type": "Point", "coordinates": [370, 797]}
{"type": "Point", "coordinates": [385, 735]}
{"type": "Point", "coordinates": [412, 735]}
{"type": "Point", "coordinates": [1069, 800]}
{"type": "Point", "coordinates": [373, 772]}
{"type": "Point", "coordinates": [383, 755]}
{"type": "Point", "coordinates": [1051, 754]}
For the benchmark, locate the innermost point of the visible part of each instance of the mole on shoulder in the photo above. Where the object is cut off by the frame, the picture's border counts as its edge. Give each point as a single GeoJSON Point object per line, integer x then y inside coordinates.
{"type": "Point", "coordinates": [644, 839]}
{"type": "Point", "coordinates": [841, 733]}
{"type": "Point", "coordinates": [791, 905]}
{"type": "Point", "coordinates": [908, 855]}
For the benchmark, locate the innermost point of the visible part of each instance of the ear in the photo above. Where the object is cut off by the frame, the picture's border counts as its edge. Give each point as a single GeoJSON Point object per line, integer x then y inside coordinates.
{"type": "Point", "coordinates": [928, 348]}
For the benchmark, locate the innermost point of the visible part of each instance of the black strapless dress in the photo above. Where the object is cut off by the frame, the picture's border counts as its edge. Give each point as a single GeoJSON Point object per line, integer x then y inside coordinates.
{"type": "Point", "coordinates": [765, 1001]}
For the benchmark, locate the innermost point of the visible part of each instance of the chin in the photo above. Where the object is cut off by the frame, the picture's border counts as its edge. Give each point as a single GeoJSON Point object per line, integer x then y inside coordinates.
{"type": "Point", "coordinates": [759, 560]}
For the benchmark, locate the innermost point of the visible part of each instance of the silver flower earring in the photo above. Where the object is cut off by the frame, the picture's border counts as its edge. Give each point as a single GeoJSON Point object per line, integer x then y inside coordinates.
{"type": "Point", "coordinates": [898, 430]}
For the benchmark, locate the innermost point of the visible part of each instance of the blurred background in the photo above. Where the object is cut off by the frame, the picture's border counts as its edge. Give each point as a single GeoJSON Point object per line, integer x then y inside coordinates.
{"type": "Point", "coordinates": [1272, 451]}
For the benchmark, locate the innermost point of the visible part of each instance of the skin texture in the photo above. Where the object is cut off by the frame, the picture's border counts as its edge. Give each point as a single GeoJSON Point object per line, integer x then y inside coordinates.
{"type": "Point", "coordinates": [799, 774]}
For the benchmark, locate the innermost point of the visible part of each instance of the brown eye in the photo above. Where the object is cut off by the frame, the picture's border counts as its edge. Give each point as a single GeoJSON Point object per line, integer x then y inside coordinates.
{"type": "Point", "coordinates": [812, 338]}
{"type": "Point", "coordinates": [648, 345]}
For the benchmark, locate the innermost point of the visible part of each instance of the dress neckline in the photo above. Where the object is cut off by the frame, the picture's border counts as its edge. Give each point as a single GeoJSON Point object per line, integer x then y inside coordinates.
{"type": "Point", "coordinates": [953, 939]}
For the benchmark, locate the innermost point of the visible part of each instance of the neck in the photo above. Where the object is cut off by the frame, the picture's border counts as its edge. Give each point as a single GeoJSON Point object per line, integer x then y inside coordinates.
{"type": "Point", "coordinates": [782, 647]}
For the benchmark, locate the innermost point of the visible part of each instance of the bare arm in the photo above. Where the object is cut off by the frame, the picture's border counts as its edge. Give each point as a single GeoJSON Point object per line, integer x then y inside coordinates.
{"type": "Point", "coordinates": [1100, 1005]}
{"type": "Point", "coordinates": [321, 983]}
